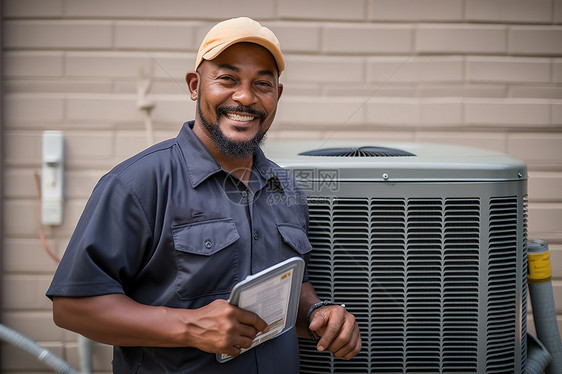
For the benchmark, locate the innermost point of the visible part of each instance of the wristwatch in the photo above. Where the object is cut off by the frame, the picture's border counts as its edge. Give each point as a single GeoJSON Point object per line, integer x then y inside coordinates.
{"type": "Point", "coordinates": [319, 304]}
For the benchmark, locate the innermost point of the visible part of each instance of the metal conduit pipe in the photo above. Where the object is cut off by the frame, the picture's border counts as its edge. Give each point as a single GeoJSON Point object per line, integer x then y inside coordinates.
{"type": "Point", "coordinates": [42, 354]}
{"type": "Point", "coordinates": [542, 300]}
{"type": "Point", "coordinates": [85, 347]}
{"type": "Point", "coordinates": [538, 357]}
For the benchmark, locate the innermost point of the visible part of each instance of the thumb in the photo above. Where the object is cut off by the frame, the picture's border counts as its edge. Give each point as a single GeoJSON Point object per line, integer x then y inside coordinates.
{"type": "Point", "coordinates": [317, 321]}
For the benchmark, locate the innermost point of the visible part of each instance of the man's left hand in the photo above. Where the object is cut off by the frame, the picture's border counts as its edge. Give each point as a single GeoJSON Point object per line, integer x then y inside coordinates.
{"type": "Point", "coordinates": [338, 331]}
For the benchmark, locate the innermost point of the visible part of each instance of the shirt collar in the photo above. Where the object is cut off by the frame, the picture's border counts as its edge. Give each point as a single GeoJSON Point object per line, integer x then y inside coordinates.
{"type": "Point", "coordinates": [201, 164]}
{"type": "Point", "coordinates": [198, 160]}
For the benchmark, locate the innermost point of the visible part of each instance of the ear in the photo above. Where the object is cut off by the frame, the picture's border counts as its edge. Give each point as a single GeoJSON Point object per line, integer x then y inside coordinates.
{"type": "Point", "coordinates": [192, 79]}
{"type": "Point", "coordinates": [279, 90]}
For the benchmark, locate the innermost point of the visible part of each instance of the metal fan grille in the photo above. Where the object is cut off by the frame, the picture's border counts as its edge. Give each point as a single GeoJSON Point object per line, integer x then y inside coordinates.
{"type": "Point", "coordinates": [358, 152]}
{"type": "Point", "coordinates": [409, 270]}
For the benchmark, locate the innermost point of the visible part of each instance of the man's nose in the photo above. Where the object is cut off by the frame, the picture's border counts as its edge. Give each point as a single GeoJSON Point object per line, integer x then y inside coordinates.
{"type": "Point", "coordinates": [244, 94]}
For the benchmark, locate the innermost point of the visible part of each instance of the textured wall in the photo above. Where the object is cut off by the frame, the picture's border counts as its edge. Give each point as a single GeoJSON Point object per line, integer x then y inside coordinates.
{"type": "Point", "coordinates": [485, 73]}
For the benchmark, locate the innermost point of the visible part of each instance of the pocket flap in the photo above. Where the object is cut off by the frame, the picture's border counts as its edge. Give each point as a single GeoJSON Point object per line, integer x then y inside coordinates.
{"type": "Point", "coordinates": [205, 238]}
{"type": "Point", "coordinates": [295, 237]}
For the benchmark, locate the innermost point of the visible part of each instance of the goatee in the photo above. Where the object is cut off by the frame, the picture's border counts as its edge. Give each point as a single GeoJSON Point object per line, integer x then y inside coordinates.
{"type": "Point", "coordinates": [231, 148]}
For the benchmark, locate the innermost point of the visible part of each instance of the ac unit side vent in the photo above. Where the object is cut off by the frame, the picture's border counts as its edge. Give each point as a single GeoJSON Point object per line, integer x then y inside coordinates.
{"type": "Point", "coordinates": [358, 152]}
{"type": "Point", "coordinates": [524, 261]}
{"type": "Point", "coordinates": [502, 287]}
{"type": "Point", "coordinates": [409, 271]}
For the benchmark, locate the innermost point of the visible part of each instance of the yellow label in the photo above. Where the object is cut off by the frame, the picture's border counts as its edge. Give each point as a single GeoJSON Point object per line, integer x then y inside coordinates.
{"type": "Point", "coordinates": [539, 267]}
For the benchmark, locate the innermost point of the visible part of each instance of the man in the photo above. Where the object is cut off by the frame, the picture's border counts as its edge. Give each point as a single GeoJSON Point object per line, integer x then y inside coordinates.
{"type": "Point", "coordinates": [168, 233]}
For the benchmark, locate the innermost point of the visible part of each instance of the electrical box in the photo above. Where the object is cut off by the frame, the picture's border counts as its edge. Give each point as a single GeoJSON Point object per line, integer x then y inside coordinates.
{"type": "Point", "coordinates": [52, 178]}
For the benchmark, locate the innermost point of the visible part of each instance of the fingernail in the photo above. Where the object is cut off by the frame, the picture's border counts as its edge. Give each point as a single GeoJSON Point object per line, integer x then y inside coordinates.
{"type": "Point", "coordinates": [320, 348]}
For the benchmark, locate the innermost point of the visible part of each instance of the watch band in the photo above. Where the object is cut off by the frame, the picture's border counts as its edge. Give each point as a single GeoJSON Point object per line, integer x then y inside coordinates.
{"type": "Point", "coordinates": [319, 304]}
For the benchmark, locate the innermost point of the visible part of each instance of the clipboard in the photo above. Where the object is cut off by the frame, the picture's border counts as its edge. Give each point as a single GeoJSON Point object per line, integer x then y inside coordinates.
{"type": "Point", "coordinates": [273, 294]}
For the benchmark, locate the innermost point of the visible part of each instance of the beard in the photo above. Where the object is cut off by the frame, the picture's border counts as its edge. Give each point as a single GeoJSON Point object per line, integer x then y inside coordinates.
{"type": "Point", "coordinates": [232, 148]}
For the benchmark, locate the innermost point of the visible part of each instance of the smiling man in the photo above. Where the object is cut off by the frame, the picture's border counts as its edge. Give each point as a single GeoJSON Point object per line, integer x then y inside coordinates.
{"type": "Point", "coordinates": [237, 94]}
{"type": "Point", "coordinates": [167, 233]}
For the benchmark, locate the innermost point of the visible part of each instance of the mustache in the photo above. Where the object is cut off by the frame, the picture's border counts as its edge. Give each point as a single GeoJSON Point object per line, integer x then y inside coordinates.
{"type": "Point", "coordinates": [241, 108]}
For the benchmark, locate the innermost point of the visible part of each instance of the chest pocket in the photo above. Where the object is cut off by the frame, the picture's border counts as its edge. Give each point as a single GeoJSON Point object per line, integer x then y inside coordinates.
{"type": "Point", "coordinates": [295, 238]}
{"type": "Point", "coordinates": [206, 258]}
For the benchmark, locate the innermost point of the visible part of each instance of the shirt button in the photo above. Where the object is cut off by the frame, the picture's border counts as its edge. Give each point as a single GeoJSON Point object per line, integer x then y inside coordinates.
{"type": "Point", "coordinates": [256, 235]}
{"type": "Point", "coordinates": [208, 244]}
{"type": "Point", "coordinates": [244, 194]}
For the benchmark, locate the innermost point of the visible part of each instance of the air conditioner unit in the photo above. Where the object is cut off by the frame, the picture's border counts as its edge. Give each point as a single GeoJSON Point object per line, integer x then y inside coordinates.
{"type": "Point", "coordinates": [426, 244]}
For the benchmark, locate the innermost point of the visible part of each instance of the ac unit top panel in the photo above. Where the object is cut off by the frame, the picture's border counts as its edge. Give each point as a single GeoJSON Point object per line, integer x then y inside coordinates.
{"type": "Point", "coordinates": [397, 162]}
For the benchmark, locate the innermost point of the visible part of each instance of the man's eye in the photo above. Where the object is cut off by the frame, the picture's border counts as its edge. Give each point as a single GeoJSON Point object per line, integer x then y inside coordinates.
{"type": "Point", "coordinates": [265, 84]}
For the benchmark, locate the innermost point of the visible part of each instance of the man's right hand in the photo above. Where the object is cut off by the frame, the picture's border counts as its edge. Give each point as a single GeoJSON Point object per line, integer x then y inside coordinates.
{"type": "Point", "coordinates": [220, 327]}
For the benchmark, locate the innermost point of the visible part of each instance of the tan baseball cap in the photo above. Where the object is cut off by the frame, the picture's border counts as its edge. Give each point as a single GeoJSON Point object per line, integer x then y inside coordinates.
{"type": "Point", "coordinates": [238, 30]}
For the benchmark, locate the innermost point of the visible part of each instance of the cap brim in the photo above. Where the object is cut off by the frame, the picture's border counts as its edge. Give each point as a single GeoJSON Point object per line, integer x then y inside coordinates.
{"type": "Point", "coordinates": [272, 48]}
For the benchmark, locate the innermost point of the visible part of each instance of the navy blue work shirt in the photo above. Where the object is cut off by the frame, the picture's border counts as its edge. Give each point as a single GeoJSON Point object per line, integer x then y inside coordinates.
{"type": "Point", "coordinates": [170, 227]}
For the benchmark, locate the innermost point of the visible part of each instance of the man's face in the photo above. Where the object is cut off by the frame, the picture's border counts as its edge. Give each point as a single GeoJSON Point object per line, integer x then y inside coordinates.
{"type": "Point", "coordinates": [237, 98]}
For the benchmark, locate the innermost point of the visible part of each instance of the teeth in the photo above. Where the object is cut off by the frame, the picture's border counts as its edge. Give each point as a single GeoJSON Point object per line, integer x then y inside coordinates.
{"type": "Point", "coordinates": [239, 117]}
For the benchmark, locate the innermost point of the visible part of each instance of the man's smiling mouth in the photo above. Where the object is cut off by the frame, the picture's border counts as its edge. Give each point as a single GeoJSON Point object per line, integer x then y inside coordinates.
{"type": "Point", "coordinates": [240, 117]}
{"type": "Point", "coordinates": [241, 114]}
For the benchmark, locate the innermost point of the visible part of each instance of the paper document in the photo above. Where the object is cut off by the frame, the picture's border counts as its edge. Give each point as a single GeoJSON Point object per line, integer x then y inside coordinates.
{"type": "Point", "coordinates": [272, 294]}
{"type": "Point", "coordinates": [270, 301]}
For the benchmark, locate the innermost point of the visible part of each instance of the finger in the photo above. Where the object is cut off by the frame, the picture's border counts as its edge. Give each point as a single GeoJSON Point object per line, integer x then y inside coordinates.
{"type": "Point", "coordinates": [252, 319]}
{"type": "Point", "coordinates": [247, 331]}
{"type": "Point", "coordinates": [233, 351]}
{"type": "Point", "coordinates": [333, 324]}
{"type": "Point", "coordinates": [343, 337]}
{"type": "Point", "coordinates": [355, 351]}
{"type": "Point", "coordinates": [317, 321]}
{"type": "Point", "coordinates": [243, 342]}
{"type": "Point", "coordinates": [352, 348]}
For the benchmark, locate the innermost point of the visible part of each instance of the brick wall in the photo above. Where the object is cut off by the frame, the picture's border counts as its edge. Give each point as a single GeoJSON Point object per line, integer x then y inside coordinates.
{"type": "Point", "coordinates": [484, 73]}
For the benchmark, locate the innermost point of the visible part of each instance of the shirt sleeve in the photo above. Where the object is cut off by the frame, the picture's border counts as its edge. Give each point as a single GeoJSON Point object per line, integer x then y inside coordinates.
{"type": "Point", "coordinates": [108, 246]}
